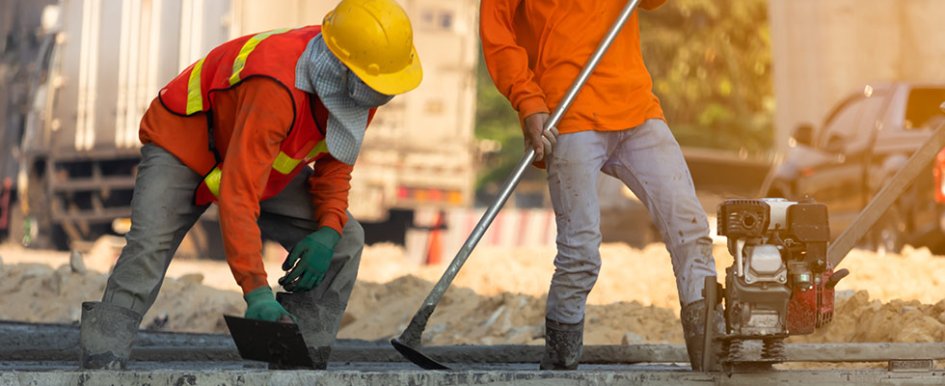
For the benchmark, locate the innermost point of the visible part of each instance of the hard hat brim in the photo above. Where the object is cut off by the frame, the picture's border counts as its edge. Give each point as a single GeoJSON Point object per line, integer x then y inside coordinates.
{"type": "Point", "coordinates": [394, 83]}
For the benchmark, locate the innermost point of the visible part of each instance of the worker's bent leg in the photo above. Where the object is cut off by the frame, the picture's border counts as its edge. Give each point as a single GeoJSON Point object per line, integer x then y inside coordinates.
{"type": "Point", "coordinates": [287, 218]}
{"type": "Point", "coordinates": [572, 180]}
{"type": "Point", "coordinates": [649, 160]}
{"type": "Point", "coordinates": [162, 212]}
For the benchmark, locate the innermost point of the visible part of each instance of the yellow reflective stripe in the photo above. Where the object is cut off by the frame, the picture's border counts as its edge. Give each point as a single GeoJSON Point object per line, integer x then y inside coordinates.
{"type": "Point", "coordinates": [213, 181]}
{"type": "Point", "coordinates": [321, 147]}
{"type": "Point", "coordinates": [194, 96]}
{"type": "Point", "coordinates": [285, 164]}
{"type": "Point", "coordinates": [247, 49]}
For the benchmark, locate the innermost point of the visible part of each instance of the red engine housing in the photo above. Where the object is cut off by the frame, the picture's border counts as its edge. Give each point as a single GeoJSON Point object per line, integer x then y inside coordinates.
{"type": "Point", "coordinates": [939, 174]}
{"type": "Point", "coordinates": [808, 310]}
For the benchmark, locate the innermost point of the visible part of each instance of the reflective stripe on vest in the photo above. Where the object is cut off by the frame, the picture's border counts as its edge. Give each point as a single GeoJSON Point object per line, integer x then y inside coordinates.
{"type": "Point", "coordinates": [283, 164]}
{"type": "Point", "coordinates": [247, 49]}
{"type": "Point", "coordinates": [213, 181]}
{"type": "Point", "coordinates": [194, 94]}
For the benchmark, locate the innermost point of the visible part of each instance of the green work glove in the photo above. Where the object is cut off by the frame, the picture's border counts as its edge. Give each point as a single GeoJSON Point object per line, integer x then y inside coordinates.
{"type": "Point", "coordinates": [309, 260]}
{"type": "Point", "coordinates": [262, 305]}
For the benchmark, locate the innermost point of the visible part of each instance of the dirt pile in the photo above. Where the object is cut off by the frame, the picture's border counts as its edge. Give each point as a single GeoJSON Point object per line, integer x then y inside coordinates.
{"type": "Point", "coordinates": [860, 319]}
{"type": "Point", "coordinates": [464, 317]}
{"type": "Point", "coordinates": [499, 297]}
{"type": "Point", "coordinates": [39, 293]}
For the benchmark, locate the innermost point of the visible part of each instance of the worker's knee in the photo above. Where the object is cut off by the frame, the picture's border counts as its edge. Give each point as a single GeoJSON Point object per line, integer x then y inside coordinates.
{"type": "Point", "coordinates": [353, 232]}
{"type": "Point", "coordinates": [580, 271]}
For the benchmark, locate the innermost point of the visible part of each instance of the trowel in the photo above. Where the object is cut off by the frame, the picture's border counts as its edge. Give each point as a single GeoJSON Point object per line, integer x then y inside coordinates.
{"type": "Point", "coordinates": [277, 343]}
{"type": "Point", "coordinates": [283, 345]}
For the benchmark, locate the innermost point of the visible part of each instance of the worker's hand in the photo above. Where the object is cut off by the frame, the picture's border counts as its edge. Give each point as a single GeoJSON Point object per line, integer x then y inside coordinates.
{"type": "Point", "coordinates": [309, 260]}
{"type": "Point", "coordinates": [536, 138]}
{"type": "Point", "coordinates": [262, 305]}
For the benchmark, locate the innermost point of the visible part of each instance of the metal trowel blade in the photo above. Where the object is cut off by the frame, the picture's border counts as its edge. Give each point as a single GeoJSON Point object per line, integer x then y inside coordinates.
{"type": "Point", "coordinates": [418, 358]}
{"type": "Point", "coordinates": [277, 343]}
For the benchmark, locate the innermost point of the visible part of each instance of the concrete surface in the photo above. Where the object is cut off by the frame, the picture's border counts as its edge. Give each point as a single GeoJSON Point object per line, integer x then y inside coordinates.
{"type": "Point", "coordinates": [472, 377]}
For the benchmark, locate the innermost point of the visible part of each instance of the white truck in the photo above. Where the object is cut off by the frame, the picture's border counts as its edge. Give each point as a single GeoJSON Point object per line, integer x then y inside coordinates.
{"type": "Point", "coordinates": [105, 60]}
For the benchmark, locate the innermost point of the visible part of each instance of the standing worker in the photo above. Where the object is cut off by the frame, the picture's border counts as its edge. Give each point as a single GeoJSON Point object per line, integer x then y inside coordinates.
{"type": "Point", "coordinates": [534, 50]}
{"type": "Point", "coordinates": [239, 128]}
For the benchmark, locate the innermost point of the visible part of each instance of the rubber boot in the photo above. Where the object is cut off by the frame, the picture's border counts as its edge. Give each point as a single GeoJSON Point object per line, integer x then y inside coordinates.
{"type": "Point", "coordinates": [563, 345]}
{"type": "Point", "coordinates": [105, 335]}
{"type": "Point", "coordinates": [693, 323]}
{"type": "Point", "coordinates": [319, 312]}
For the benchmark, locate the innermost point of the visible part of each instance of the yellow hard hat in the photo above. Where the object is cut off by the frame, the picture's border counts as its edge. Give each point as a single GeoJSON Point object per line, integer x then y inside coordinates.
{"type": "Point", "coordinates": [374, 39]}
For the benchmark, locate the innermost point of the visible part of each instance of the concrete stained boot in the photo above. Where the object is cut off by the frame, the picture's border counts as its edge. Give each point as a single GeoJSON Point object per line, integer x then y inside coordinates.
{"type": "Point", "coordinates": [105, 336]}
{"type": "Point", "coordinates": [693, 323]}
{"type": "Point", "coordinates": [319, 312]}
{"type": "Point", "coordinates": [563, 345]}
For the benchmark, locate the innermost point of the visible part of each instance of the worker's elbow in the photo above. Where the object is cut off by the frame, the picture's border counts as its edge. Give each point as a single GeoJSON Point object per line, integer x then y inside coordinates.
{"type": "Point", "coordinates": [650, 5]}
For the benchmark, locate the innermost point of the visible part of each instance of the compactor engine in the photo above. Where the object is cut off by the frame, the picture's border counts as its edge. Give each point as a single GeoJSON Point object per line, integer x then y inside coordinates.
{"type": "Point", "coordinates": [780, 283]}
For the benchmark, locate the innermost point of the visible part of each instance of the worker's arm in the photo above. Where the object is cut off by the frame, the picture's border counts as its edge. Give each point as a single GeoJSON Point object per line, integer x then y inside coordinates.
{"type": "Point", "coordinates": [650, 5]}
{"type": "Point", "coordinates": [262, 122]}
{"type": "Point", "coordinates": [309, 260]}
{"type": "Point", "coordinates": [329, 187]}
{"type": "Point", "coordinates": [507, 60]}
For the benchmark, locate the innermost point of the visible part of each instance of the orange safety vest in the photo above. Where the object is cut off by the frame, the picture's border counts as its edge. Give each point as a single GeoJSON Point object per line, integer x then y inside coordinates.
{"type": "Point", "coordinates": [274, 55]}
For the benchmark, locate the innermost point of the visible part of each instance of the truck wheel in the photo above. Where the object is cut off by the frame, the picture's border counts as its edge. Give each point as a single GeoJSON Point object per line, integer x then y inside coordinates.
{"type": "Point", "coordinates": [890, 232]}
{"type": "Point", "coordinates": [15, 225]}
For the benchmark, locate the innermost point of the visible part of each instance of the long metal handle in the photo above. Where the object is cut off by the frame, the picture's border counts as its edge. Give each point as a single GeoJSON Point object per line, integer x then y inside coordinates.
{"type": "Point", "coordinates": [411, 335]}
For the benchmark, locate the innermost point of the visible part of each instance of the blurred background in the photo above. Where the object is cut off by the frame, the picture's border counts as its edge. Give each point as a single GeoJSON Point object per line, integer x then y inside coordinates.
{"type": "Point", "coordinates": [737, 80]}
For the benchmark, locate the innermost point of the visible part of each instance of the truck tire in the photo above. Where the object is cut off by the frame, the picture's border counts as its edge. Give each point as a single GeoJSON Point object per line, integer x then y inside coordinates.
{"type": "Point", "coordinates": [15, 226]}
{"type": "Point", "coordinates": [889, 233]}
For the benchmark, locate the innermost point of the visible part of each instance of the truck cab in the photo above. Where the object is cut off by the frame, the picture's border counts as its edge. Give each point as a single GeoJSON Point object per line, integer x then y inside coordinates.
{"type": "Point", "coordinates": [861, 144]}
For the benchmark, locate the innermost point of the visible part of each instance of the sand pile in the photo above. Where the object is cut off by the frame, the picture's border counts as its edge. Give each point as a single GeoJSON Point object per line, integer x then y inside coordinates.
{"type": "Point", "coordinates": [464, 317]}
{"type": "Point", "coordinates": [859, 319]}
{"type": "Point", "coordinates": [39, 293]}
{"type": "Point", "coordinates": [497, 298]}
{"type": "Point", "coordinates": [646, 276]}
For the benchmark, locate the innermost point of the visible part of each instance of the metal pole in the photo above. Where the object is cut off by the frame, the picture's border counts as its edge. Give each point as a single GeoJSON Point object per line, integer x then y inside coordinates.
{"type": "Point", "coordinates": [411, 336]}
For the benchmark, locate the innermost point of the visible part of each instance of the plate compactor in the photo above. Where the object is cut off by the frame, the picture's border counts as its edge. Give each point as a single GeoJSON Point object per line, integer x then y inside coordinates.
{"type": "Point", "coordinates": [779, 284]}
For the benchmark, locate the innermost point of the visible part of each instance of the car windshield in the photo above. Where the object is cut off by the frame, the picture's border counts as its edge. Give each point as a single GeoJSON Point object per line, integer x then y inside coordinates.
{"type": "Point", "coordinates": [923, 108]}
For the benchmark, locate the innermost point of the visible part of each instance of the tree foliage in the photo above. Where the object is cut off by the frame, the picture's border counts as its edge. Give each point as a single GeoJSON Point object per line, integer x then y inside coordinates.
{"type": "Point", "coordinates": [711, 66]}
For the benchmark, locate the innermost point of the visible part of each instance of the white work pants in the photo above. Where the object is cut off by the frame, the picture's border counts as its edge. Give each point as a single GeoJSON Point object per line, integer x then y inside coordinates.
{"type": "Point", "coordinates": [649, 161]}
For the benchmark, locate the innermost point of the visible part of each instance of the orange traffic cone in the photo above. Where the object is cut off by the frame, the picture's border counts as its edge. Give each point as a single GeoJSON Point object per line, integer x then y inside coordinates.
{"type": "Point", "coordinates": [434, 243]}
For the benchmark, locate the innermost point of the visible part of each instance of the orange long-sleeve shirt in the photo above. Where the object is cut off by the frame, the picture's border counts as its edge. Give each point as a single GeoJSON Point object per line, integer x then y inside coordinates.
{"type": "Point", "coordinates": [250, 121]}
{"type": "Point", "coordinates": [534, 50]}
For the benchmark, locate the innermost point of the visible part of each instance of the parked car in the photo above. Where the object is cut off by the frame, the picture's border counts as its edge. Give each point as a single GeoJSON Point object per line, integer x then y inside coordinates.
{"type": "Point", "coordinates": [862, 143]}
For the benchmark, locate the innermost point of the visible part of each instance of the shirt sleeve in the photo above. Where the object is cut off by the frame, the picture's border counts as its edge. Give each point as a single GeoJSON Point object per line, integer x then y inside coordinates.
{"type": "Point", "coordinates": [263, 117]}
{"type": "Point", "coordinates": [507, 60]}
{"type": "Point", "coordinates": [329, 186]}
{"type": "Point", "coordinates": [650, 5]}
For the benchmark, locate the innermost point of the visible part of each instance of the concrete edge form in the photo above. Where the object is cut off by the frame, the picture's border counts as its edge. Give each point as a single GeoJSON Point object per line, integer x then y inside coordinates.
{"type": "Point", "coordinates": [421, 378]}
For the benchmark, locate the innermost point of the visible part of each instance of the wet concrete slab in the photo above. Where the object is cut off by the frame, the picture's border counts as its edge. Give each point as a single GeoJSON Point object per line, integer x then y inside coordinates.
{"type": "Point", "coordinates": [46, 355]}
{"type": "Point", "coordinates": [218, 376]}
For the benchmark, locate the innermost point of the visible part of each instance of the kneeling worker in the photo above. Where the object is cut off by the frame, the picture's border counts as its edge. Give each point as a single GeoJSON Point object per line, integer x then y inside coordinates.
{"type": "Point", "coordinates": [239, 128]}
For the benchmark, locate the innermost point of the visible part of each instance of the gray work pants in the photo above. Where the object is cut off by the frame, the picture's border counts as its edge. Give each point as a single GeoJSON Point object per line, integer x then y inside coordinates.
{"type": "Point", "coordinates": [649, 161]}
{"type": "Point", "coordinates": [163, 212]}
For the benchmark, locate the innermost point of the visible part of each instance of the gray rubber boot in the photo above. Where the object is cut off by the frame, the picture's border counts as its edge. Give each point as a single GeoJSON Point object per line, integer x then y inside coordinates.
{"type": "Point", "coordinates": [693, 323]}
{"type": "Point", "coordinates": [563, 345]}
{"type": "Point", "coordinates": [319, 312]}
{"type": "Point", "coordinates": [105, 336]}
